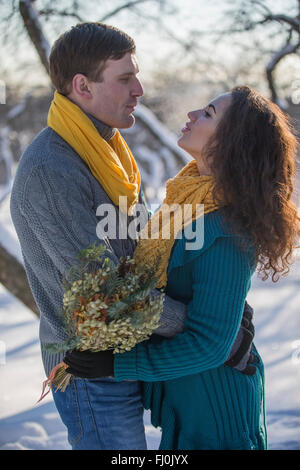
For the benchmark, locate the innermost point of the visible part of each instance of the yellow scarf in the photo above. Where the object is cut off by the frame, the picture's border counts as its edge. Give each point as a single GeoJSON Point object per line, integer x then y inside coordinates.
{"type": "Point", "coordinates": [159, 234]}
{"type": "Point", "coordinates": [112, 164]}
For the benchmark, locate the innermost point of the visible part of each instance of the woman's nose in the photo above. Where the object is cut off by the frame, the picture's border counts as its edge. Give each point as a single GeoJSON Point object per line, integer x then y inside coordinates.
{"type": "Point", "coordinates": [193, 115]}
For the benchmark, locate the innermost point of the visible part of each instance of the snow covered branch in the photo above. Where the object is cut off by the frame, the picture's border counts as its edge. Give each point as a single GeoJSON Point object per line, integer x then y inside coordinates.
{"type": "Point", "coordinates": [6, 154]}
{"type": "Point", "coordinates": [165, 137]}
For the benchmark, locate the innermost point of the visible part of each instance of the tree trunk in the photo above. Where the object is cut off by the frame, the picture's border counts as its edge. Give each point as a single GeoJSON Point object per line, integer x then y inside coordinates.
{"type": "Point", "coordinates": [14, 279]}
{"type": "Point", "coordinates": [35, 32]}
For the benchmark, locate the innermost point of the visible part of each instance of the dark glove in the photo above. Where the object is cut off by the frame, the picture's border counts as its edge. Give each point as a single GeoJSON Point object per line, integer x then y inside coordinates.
{"type": "Point", "coordinates": [240, 356]}
{"type": "Point", "coordinates": [90, 365]}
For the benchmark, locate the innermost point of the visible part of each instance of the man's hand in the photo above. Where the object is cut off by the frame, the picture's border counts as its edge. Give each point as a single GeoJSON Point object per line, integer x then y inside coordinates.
{"type": "Point", "coordinates": [90, 365]}
{"type": "Point", "coordinates": [240, 356]}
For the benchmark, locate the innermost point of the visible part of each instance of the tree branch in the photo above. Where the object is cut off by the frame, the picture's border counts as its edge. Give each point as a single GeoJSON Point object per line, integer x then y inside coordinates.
{"type": "Point", "coordinates": [14, 279]}
{"type": "Point", "coordinates": [277, 57]}
{"type": "Point", "coordinates": [122, 7]}
{"type": "Point", "coordinates": [293, 22]}
{"type": "Point", "coordinates": [264, 7]}
{"type": "Point", "coordinates": [50, 11]}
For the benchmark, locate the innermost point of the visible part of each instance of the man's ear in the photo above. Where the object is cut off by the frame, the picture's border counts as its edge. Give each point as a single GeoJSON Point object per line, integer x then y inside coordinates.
{"type": "Point", "coordinates": [81, 87]}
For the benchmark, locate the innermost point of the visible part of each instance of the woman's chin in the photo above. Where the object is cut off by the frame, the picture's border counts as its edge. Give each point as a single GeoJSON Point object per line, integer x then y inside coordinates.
{"type": "Point", "coordinates": [180, 142]}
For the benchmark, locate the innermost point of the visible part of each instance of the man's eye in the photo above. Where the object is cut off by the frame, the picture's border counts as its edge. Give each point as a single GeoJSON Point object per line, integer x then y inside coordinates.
{"type": "Point", "coordinates": [125, 80]}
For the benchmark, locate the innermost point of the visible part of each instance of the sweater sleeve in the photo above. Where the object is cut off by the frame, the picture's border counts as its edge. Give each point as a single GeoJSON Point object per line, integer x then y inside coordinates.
{"type": "Point", "coordinates": [58, 206]}
{"type": "Point", "coordinates": [220, 281]}
{"type": "Point", "coordinates": [172, 318]}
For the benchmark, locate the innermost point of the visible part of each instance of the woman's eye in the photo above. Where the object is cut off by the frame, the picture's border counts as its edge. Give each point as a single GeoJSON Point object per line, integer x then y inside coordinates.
{"type": "Point", "coordinates": [207, 114]}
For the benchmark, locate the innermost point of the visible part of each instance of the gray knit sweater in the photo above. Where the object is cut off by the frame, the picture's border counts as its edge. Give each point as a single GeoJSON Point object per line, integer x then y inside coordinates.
{"type": "Point", "coordinates": [53, 207]}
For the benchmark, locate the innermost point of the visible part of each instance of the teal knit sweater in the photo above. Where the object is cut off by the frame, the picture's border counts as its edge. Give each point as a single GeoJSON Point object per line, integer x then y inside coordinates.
{"type": "Point", "coordinates": [197, 401]}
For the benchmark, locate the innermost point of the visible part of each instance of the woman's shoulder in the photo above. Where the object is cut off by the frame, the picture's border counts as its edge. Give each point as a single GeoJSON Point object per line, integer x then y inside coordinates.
{"type": "Point", "coordinates": [211, 230]}
{"type": "Point", "coordinates": [203, 232]}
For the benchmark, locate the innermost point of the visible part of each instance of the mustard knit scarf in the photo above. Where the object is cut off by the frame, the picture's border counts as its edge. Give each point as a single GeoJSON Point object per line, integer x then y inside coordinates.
{"type": "Point", "coordinates": [112, 164]}
{"type": "Point", "coordinates": [156, 243]}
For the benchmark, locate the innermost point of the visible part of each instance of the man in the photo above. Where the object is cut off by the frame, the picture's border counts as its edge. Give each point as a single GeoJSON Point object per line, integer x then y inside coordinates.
{"type": "Point", "coordinates": [78, 163]}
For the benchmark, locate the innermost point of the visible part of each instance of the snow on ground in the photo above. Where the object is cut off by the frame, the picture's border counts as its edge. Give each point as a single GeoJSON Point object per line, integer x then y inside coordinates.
{"type": "Point", "coordinates": [27, 425]}
{"type": "Point", "coordinates": [23, 423]}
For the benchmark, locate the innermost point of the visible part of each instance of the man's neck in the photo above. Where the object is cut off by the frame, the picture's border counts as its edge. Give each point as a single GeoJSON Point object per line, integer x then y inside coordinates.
{"type": "Point", "coordinates": [104, 130]}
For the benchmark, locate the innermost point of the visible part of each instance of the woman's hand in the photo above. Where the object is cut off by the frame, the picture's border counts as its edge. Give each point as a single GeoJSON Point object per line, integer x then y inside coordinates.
{"type": "Point", "coordinates": [240, 356]}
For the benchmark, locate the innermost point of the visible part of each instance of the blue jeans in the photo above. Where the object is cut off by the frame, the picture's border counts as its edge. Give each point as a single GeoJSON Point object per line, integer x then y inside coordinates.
{"type": "Point", "coordinates": [102, 414]}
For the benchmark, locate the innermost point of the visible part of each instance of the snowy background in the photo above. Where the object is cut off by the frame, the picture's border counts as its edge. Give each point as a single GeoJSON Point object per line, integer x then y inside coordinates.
{"type": "Point", "coordinates": [26, 425]}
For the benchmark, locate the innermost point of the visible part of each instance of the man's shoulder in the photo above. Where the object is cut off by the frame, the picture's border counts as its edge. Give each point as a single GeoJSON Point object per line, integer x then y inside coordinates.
{"type": "Point", "coordinates": [48, 152]}
{"type": "Point", "coordinates": [47, 147]}
{"type": "Point", "coordinates": [48, 159]}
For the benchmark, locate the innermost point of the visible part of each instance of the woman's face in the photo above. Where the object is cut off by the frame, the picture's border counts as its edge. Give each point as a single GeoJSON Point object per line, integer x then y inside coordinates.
{"type": "Point", "coordinates": [201, 127]}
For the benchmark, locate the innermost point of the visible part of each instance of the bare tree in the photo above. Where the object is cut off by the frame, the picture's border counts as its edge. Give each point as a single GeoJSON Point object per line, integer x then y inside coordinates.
{"type": "Point", "coordinates": [252, 15]}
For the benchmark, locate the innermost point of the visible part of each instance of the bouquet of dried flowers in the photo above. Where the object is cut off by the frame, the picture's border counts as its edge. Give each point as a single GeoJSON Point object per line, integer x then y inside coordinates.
{"type": "Point", "coordinates": [105, 307]}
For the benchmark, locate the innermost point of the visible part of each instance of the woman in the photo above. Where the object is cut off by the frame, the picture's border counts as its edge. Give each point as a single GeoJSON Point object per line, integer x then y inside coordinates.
{"type": "Point", "coordinates": [244, 151]}
{"type": "Point", "coordinates": [242, 171]}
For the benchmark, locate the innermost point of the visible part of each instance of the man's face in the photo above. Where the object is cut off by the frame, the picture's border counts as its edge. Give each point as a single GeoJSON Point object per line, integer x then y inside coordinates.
{"type": "Point", "coordinates": [113, 100]}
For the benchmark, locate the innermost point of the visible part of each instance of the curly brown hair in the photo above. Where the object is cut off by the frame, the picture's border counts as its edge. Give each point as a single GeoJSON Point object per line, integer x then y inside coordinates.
{"type": "Point", "coordinates": [253, 158]}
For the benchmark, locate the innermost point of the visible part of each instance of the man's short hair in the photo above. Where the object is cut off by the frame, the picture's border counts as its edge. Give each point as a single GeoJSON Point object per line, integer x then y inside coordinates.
{"type": "Point", "coordinates": [84, 49]}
